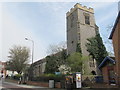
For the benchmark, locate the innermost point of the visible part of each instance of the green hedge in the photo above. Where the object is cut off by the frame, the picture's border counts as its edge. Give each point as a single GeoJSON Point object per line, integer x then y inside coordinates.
{"type": "Point", "coordinates": [17, 76]}
{"type": "Point", "coordinates": [47, 77]}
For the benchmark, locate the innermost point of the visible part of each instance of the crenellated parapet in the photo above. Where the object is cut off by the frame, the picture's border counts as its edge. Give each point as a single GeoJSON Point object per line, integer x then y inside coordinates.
{"type": "Point", "coordinates": [79, 6]}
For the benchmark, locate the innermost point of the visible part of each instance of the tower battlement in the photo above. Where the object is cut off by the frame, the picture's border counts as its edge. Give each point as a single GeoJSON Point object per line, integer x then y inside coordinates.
{"type": "Point", "coordinates": [79, 6]}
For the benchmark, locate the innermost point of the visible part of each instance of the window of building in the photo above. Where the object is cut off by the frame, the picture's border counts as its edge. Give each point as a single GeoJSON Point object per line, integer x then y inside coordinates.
{"type": "Point", "coordinates": [79, 36]}
{"type": "Point", "coordinates": [72, 20]}
{"type": "Point", "coordinates": [87, 19]}
{"type": "Point", "coordinates": [93, 73]}
{"type": "Point", "coordinates": [72, 42]}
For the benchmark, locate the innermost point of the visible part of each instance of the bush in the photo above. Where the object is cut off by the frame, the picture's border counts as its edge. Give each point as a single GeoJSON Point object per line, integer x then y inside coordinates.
{"type": "Point", "coordinates": [17, 76]}
{"type": "Point", "coordinates": [47, 77]}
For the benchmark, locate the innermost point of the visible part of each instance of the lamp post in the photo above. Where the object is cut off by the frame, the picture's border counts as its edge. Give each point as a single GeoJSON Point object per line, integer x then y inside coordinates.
{"type": "Point", "coordinates": [31, 69]}
{"type": "Point", "coordinates": [32, 47]}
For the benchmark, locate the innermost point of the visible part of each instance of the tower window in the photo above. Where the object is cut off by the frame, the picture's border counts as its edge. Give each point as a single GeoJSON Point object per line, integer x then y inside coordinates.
{"type": "Point", "coordinates": [79, 36]}
{"type": "Point", "coordinates": [87, 19]}
{"type": "Point", "coordinates": [72, 19]}
{"type": "Point", "coordinates": [72, 42]}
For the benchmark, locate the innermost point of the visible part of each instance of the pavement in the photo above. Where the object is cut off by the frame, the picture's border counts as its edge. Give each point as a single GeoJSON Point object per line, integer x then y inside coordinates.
{"type": "Point", "coordinates": [4, 85]}
{"type": "Point", "coordinates": [22, 85]}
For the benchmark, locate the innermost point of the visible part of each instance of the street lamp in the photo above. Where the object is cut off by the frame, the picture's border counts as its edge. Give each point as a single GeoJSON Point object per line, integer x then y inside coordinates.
{"type": "Point", "coordinates": [32, 47]}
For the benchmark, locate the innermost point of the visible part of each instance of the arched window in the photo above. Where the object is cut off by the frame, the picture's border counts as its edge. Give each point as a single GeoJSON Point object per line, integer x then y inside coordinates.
{"type": "Point", "coordinates": [93, 73]}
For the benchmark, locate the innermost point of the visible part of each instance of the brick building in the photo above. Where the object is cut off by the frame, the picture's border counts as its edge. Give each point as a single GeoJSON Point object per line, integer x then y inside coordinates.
{"type": "Point", "coordinates": [115, 36]}
{"type": "Point", "coordinates": [107, 68]}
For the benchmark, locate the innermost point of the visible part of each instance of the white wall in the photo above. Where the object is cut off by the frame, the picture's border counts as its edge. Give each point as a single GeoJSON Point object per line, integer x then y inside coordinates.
{"type": "Point", "coordinates": [9, 73]}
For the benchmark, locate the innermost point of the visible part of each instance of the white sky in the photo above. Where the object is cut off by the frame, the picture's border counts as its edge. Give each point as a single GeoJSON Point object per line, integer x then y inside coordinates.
{"type": "Point", "coordinates": [45, 23]}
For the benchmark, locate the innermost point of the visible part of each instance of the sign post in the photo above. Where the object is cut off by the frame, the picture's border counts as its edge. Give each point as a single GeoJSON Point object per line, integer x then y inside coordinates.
{"type": "Point", "coordinates": [78, 80]}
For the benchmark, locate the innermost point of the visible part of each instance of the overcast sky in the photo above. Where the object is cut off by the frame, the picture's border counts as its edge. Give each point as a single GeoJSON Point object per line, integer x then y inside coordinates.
{"type": "Point", "coordinates": [45, 23]}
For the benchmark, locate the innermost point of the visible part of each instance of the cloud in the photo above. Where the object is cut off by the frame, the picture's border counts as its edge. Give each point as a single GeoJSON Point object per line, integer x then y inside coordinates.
{"type": "Point", "coordinates": [45, 24]}
{"type": "Point", "coordinates": [99, 5]}
{"type": "Point", "coordinates": [14, 34]}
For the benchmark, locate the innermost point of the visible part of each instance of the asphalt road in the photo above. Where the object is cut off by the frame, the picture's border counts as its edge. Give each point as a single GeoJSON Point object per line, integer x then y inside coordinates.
{"type": "Point", "coordinates": [13, 86]}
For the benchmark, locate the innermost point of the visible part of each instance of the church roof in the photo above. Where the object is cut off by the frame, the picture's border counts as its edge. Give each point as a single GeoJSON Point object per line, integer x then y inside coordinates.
{"type": "Point", "coordinates": [105, 60]}
{"type": "Point", "coordinates": [118, 17]}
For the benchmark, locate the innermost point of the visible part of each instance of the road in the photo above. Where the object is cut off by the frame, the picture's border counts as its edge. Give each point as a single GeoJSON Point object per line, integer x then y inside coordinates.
{"type": "Point", "coordinates": [13, 86]}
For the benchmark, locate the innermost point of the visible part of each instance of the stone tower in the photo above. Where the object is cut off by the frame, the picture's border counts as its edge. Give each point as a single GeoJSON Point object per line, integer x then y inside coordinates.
{"type": "Point", "coordinates": [80, 26]}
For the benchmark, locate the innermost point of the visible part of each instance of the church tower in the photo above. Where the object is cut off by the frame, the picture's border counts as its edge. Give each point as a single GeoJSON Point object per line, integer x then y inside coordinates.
{"type": "Point", "coordinates": [80, 26]}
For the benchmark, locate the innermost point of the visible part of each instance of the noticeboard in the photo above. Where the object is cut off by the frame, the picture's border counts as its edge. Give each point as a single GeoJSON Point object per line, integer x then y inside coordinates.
{"type": "Point", "coordinates": [78, 80]}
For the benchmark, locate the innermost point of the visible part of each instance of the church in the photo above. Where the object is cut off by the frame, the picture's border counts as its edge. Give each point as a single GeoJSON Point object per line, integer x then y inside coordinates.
{"type": "Point", "coordinates": [80, 26]}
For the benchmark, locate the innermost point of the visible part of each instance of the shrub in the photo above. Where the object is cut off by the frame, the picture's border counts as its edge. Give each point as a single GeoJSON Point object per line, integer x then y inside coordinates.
{"type": "Point", "coordinates": [47, 77]}
{"type": "Point", "coordinates": [17, 76]}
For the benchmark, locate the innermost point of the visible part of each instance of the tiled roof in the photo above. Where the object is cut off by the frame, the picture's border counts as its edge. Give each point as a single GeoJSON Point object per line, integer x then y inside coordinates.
{"type": "Point", "coordinates": [106, 59]}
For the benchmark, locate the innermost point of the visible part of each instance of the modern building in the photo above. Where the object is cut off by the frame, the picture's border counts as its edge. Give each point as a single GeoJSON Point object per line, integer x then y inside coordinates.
{"type": "Point", "coordinates": [115, 36]}
{"type": "Point", "coordinates": [80, 27]}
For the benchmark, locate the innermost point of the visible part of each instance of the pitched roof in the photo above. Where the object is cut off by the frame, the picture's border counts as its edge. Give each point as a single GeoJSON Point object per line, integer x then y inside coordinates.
{"type": "Point", "coordinates": [105, 60]}
{"type": "Point", "coordinates": [117, 19]}
{"type": "Point", "coordinates": [39, 61]}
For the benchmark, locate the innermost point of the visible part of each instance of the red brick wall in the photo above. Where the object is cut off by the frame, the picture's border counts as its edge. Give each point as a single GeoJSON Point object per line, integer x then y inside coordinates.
{"type": "Point", "coordinates": [116, 45]}
{"type": "Point", "coordinates": [105, 74]}
{"type": "Point", "coordinates": [43, 84]}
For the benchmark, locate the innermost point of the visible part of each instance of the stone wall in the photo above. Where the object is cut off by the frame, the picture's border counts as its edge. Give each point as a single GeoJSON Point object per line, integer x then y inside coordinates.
{"type": "Point", "coordinates": [78, 31]}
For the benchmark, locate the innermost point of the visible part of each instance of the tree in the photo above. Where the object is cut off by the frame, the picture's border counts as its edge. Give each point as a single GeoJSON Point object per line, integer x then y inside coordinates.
{"type": "Point", "coordinates": [78, 49]}
{"type": "Point", "coordinates": [108, 42]}
{"type": "Point", "coordinates": [55, 48]}
{"type": "Point", "coordinates": [64, 69]}
{"type": "Point", "coordinates": [18, 59]}
{"type": "Point", "coordinates": [96, 48]}
{"type": "Point", "coordinates": [92, 46]}
{"type": "Point", "coordinates": [75, 62]}
{"type": "Point", "coordinates": [51, 64]}
{"type": "Point", "coordinates": [56, 58]}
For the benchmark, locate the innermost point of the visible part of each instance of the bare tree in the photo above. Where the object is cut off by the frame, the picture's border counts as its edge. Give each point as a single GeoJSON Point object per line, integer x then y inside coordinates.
{"type": "Point", "coordinates": [53, 49]}
{"type": "Point", "coordinates": [108, 42]}
{"type": "Point", "coordinates": [57, 57]}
